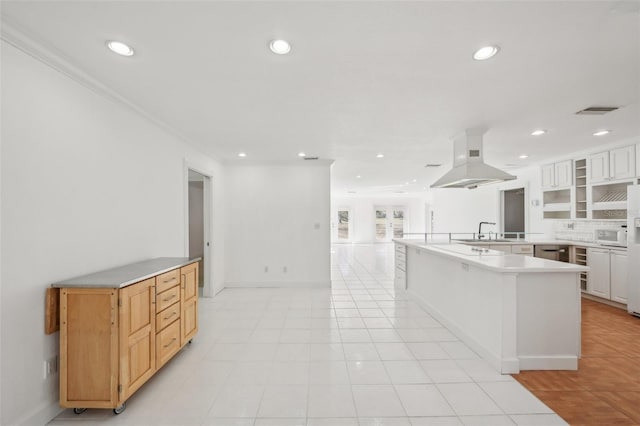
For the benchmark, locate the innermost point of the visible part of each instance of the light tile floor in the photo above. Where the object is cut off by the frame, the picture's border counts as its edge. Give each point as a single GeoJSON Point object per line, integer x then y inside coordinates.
{"type": "Point", "coordinates": [358, 354]}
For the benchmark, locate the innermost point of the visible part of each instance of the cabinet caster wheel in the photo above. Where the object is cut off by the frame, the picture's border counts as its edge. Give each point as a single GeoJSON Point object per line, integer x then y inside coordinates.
{"type": "Point", "coordinates": [79, 410]}
{"type": "Point", "coordinates": [120, 409]}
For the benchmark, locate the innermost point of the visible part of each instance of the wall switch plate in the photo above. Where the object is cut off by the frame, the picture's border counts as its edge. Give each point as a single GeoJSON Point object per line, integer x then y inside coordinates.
{"type": "Point", "coordinates": [266, 269]}
{"type": "Point", "coordinates": [284, 269]}
{"type": "Point", "coordinates": [316, 226]}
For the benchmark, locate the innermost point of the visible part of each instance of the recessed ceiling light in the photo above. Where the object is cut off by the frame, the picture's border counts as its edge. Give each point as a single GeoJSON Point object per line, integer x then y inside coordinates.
{"type": "Point", "coordinates": [280, 47]}
{"type": "Point", "coordinates": [242, 154]}
{"type": "Point", "coordinates": [380, 155]}
{"type": "Point", "coordinates": [485, 53]}
{"type": "Point", "coordinates": [358, 177]}
{"type": "Point", "coordinates": [523, 156]}
{"type": "Point", "coordinates": [415, 180]}
{"type": "Point", "coordinates": [120, 48]}
{"type": "Point", "coordinates": [538, 132]}
{"type": "Point", "coordinates": [302, 154]}
{"type": "Point", "coordinates": [602, 132]}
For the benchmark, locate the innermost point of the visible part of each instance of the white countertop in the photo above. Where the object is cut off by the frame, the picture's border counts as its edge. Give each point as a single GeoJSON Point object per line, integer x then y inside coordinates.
{"type": "Point", "coordinates": [534, 242]}
{"type": "Point", "coordinates": [492, 259]}
{"type": "Point", "coordinates": [125, 275]}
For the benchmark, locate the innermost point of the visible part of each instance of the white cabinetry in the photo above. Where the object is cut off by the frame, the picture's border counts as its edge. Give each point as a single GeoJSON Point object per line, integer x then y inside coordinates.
{"type": "Point", "coordinates": [400, 279]}
{"type": "Point", "coordinates": [557, 175]}
{"type": "Point", "coordinates": [598, 282]}
{"type": "Point", "coordinates": [608, 274]}
{"type": "Point", "coordinates": [523, 249]}
{"type": "Point", "coordinates": [618, 265]}
{"type": "Point", "coordinates": [619, 163]}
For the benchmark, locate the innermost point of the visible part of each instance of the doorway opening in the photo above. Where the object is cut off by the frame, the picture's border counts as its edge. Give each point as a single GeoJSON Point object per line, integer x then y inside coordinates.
{"type": "Point", "coordinates": [343, 226]}
{"type": "Point", "coordinates": [390, 222]}
{"type": "Point", "coordinates": [198, 226]}
{"type": "Point", "coordinates": [513, 212]}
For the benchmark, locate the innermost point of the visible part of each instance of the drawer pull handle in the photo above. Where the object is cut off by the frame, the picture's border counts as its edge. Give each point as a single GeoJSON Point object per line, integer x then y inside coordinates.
{"type": "Point", "coordinates": [170, 343]}
{"type": "Point", "coordinates": [169, 280]}
{"type": "Point", "coordinates": [169, 298]}
{"type": "Point", "coordinates": [169, 316]}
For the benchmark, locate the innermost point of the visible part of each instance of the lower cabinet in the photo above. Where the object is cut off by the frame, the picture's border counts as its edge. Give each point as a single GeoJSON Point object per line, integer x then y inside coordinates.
{"type": "Point", "coordinates": [400, 272]}
{"type": "Point", "coordinates": [607, 274]}
{"type": "Point", "coordinates": [619, 271]}
{"type": "Point", "coordinates": [113, 340]}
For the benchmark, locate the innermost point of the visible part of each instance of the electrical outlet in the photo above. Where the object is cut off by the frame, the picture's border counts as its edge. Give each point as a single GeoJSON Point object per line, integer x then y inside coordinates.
{"type": "Point", "coordinates": [284, 269]}
{"type": "Point", "coordinates": [266, 269]}
{"type": "Point", "coordinates": [50, 366]}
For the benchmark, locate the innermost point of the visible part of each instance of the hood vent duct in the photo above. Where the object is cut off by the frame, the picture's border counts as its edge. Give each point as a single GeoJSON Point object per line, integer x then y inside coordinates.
{"type": "Point", "coordinates": [469, 170]}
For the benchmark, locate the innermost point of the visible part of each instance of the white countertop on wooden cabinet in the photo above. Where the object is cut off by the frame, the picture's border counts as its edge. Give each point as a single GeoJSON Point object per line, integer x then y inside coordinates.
{"type": "Point", "coordinates": [494, 260]}
{"type": "Point", "coordinates": [125, 275]}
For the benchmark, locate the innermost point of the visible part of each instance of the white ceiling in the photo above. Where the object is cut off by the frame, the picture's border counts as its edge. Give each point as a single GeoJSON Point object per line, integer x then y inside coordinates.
{"type": "Point", "coordinates": [363, 77]}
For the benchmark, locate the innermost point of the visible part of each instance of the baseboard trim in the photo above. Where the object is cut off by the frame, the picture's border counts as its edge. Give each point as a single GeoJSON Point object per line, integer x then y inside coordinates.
{"type": "Point", "coordinates": [42, 415]}
{"type": "Point", "coordinates": [280, 284]}
{"type": "Point", "coordinates": [604, 301]}
{"type": "Point", "coordinates": [558, 362]}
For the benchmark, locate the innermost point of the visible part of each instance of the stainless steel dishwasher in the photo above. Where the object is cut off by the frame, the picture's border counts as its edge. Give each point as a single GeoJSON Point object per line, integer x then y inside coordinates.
{"type": "Point", "coordinates": [552, 252]}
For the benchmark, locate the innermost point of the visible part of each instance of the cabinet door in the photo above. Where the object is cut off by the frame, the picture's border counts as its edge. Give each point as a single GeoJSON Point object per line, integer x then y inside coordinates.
{"type": "Point", "coordinates": [598, 282]}
{"type": "Point", "coordinates": [564, 173]}
{"type": "Point", "coordinates": [189, 302]}
{"type": "Point", "coordinates": [137, 335]}
{"type": "Point", "coordinates": [622, 162]}
{"type": "Point", "coordinates": [548, 176]}
{"type": "Point", "coordinates": [638, 160]}
{"type": "Point", "coordinates": [619, 276]}
{"type": "Point", "coordinates": [599, 167]}
{"type": "Point", "coordinates": [88, 348]}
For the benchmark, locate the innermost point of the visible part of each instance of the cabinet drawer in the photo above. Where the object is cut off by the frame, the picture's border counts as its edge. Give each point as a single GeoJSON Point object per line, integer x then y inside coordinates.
{"type": "Point", "coordinates": [400, 257]}
{"type": "Point", "coordinates": [167, 316]}
{"type": "Point", "coordinates": [167, 298]}
{"type": "Point", "coordinates": [167, 280]}
{"type": "Point", "coordinates": [521, 249]}
{"type": "Point", "coordinates": [167, 343]}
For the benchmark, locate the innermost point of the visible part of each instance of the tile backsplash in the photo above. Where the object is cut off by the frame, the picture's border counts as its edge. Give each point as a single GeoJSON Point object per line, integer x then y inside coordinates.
{"type": "Point", "coordinates": [583, 230]}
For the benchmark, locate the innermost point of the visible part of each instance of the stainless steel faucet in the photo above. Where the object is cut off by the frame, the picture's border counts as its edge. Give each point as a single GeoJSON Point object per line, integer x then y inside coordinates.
{"type": "Point", "coordinates": [480, 228]}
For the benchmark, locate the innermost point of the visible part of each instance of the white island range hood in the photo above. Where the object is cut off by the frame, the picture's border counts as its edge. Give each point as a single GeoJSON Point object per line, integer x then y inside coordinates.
{"type": "Point", "coordinates": [469, 170]}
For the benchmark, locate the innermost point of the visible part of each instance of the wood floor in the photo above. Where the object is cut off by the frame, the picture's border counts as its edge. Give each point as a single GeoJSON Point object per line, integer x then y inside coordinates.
{"type": "Point", "coordinates": [606, 388]}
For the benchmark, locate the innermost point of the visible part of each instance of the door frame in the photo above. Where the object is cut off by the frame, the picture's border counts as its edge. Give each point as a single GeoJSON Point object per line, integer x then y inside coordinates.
{"type": "Point", "coordinates": [207, 205]}
{"type": "Point", "coordinates": [527, 202]}
{"type": "Point", "coordinates": [335, 222]}
{"type": "Point", "coordinates": [389, 209]}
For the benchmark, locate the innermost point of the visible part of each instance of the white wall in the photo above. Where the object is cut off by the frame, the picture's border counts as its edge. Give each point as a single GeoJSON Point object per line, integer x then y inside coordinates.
{"type": "Point", "coordinates": [461, 210]}
{"type": "Point", "coordinates": [87, 184]}
{"type": "Point", "coordinates": [362, 221]}
{"type": "Point", "coordinates": [272, 211]}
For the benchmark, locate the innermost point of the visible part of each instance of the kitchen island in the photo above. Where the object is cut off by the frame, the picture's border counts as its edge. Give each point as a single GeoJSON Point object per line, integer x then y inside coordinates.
{"type": "Point", "coordinates": [517, 312]}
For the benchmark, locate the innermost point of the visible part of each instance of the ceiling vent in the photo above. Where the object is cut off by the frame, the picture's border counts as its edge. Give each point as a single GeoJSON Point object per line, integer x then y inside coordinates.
{"type": "Point", "coordinates": [596, 110]}
{"type": "Point", "coordinates": [432, 165]}
{"type": "Point", "coordinates": [310, 158]}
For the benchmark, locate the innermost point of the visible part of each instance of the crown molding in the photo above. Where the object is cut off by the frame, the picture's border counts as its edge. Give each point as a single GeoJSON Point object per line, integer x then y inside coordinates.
{"type": "Point", "coordinates": [49, 55]}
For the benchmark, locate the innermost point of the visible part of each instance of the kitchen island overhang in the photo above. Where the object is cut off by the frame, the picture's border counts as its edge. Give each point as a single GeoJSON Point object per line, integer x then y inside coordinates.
{"type": "Point", "coordinates": [517, 312]}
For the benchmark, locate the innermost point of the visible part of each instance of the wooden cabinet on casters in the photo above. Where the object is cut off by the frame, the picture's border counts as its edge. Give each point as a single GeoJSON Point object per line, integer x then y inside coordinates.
{"type": "Point", "coordinates": [113, 340]}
